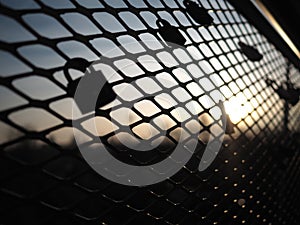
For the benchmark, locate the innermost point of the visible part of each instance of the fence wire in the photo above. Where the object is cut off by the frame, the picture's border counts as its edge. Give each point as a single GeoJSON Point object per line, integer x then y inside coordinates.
{"type": "Point", "coordinates": [44, 180]}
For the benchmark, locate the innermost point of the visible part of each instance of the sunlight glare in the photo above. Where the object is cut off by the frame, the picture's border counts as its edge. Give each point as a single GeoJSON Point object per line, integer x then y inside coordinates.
{"type": "Point", "coordinates": [237, 109]}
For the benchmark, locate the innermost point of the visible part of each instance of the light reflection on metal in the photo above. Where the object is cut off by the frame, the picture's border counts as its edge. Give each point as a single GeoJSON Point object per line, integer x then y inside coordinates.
{"type": "Point", "coordinates": [266, 13]}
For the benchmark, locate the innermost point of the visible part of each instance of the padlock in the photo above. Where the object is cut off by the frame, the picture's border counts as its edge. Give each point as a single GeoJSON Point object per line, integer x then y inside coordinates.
{"type": "Point", "coordinates": [229, 129]}
{"type": "Point", "coordinates": [169, 33]}
{"type": "Point", "coordinates": [250, 52]}
{"type": "Point", "coordinates": [79, 64]}
{"type": "Point", "coordinates": [229, 125]}
{"type": "Point", "coordinates": [290, 94]}
{"type": "Point", "coordinates": [199, 14]}
{"type": "Point", "coordinates": [88, 88]}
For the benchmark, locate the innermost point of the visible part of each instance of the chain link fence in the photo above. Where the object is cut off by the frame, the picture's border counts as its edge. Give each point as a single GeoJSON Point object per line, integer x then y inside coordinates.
{"type": "Point", "coordinates": [47, 45]}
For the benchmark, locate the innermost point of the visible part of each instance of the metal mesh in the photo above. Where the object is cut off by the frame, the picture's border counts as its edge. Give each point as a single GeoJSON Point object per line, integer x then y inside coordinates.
{"type": "Point", "coordinates": [44, 180]}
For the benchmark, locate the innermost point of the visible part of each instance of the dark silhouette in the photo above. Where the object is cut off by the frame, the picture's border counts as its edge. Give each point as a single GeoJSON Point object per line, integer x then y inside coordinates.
{"type": "Point", "coordinates": [250, 52]}
{"type": "Point", "coordinates": [199, 14]}
{"type": "Point", "coordinates": [93, 84]}
{"type": "Point", "coordinates": [289, 93]}
{"type": "Point", "coordinates": [229, 129]}
{"type": "Point", "coordinates": [170, 33]}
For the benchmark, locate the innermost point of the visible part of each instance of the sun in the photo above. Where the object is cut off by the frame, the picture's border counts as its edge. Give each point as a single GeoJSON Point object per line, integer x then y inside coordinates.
{"type": "Point", "coordinates": [238, 108]}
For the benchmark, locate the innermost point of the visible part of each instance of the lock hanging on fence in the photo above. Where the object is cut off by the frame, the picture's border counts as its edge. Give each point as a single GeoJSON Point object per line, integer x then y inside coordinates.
{"type": "Point", "coordinates": [76, 64]}
{"type": "Point", "coordinates": [289, 94]}
{"type": "Point", "coordinates": [199, 14]}
{"type": "Point", "coordinates": [226, 118]}
{"type": "Point", "coordinates": [89, 88]}
{"type": "Point", "coordinates": [250, 52]}
{"type": "Point", "coordinates": [169, 33]}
